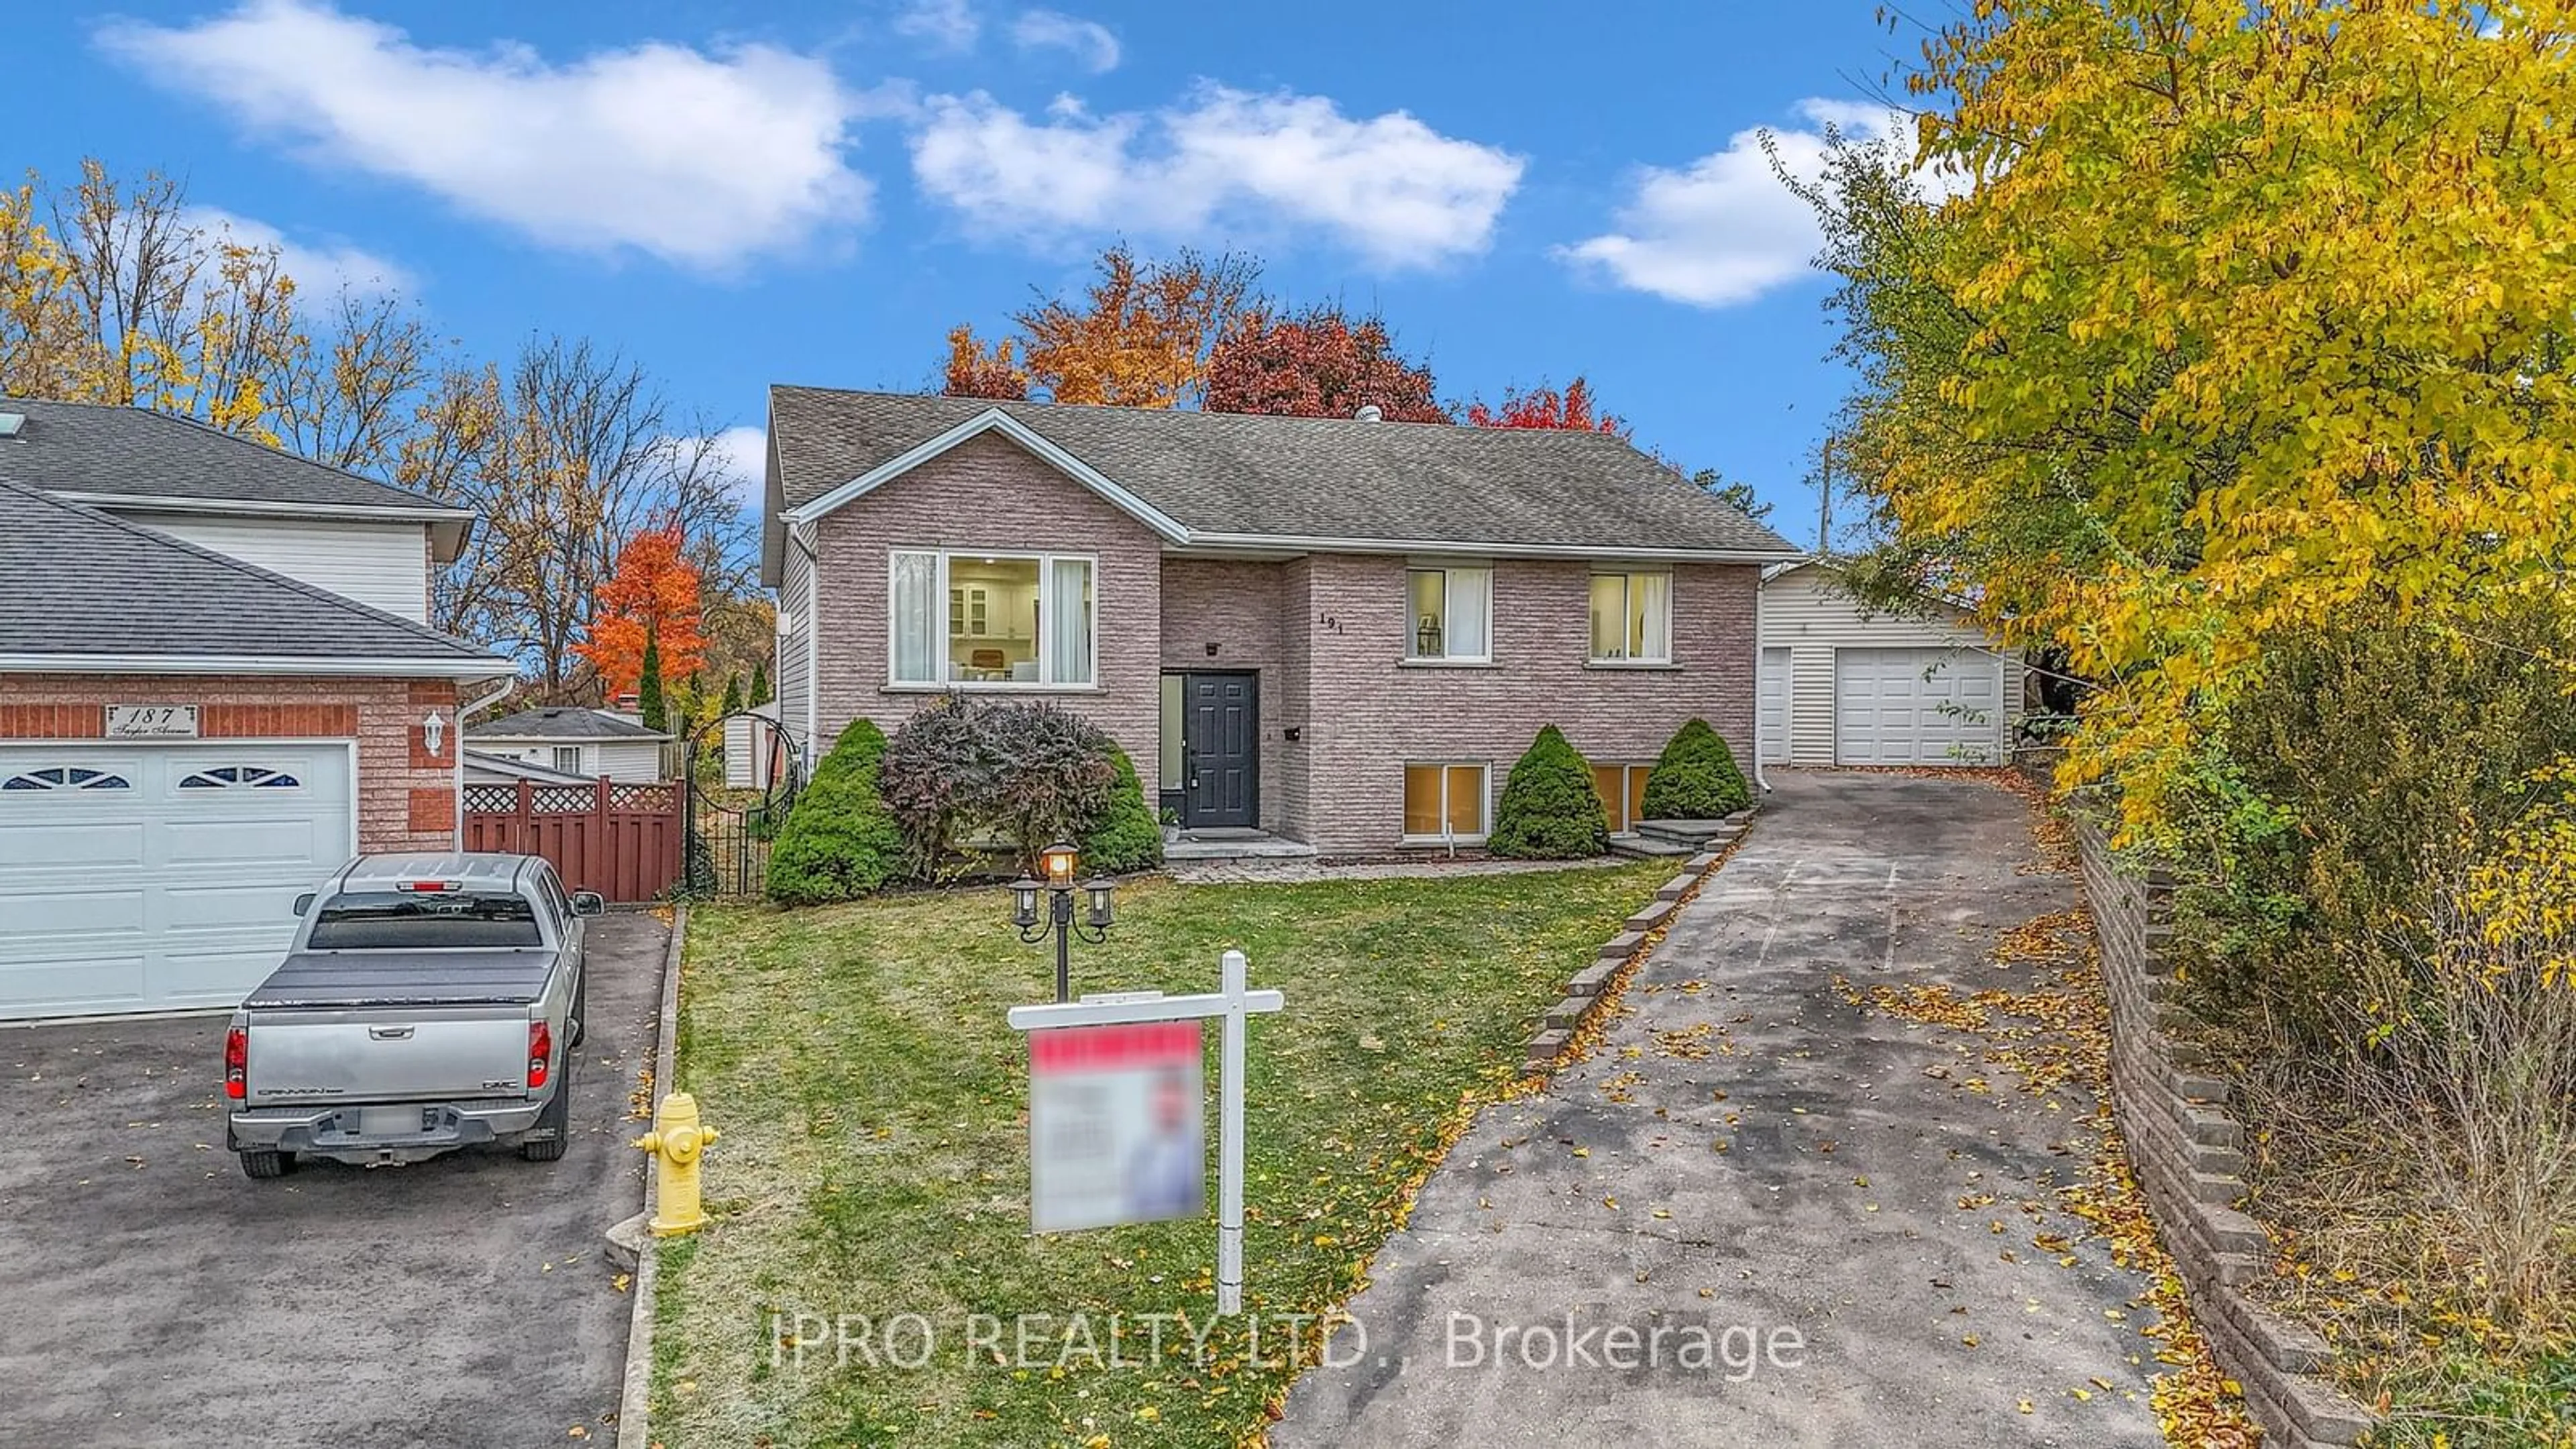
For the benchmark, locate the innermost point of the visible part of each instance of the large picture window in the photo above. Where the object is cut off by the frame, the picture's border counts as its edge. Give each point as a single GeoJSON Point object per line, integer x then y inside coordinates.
{"type": "Point", "coordinates": [1448, 614]}
{"type": "Point", "coordinates": [1444, 802]}
{"type": "Point", "coordinates": [1632, 618]}
{"type": "Point", "coordinates": [973, 620]}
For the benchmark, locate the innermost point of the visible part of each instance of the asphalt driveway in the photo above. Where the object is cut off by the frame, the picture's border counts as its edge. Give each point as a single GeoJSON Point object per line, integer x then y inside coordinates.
{"type": "Point", "coordinates": [154, 1295]}
{"type": "Point", "coordinates": [1854, 1267]}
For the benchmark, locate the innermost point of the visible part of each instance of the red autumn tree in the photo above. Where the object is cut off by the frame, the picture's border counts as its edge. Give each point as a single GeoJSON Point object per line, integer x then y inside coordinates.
{"type": "Point", "coordinates": [1545, 407]}
{"type": "Point", "coordinates": [1316, 364]}
{"type": "Point", "coordinates": [975, 370]}
{"type": "Point", "coordinates": [653, 593]}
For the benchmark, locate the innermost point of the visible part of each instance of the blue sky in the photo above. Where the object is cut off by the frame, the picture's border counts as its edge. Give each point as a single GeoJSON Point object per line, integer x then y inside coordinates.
{"type": "Point", "coordinates": [739, 193]}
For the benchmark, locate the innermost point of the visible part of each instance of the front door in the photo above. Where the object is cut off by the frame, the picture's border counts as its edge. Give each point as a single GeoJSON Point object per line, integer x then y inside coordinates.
{"type": "Point", "coordinates": [1220, 749]}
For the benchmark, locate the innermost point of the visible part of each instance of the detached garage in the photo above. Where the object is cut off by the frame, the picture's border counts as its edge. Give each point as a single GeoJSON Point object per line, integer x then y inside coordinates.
{"type": "Point", "coordinates": [188, 742]}
{"type": "Point", "coordinates": [1843, 686]}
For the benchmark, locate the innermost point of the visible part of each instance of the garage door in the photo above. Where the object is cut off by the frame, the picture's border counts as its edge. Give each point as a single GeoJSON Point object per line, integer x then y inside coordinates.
{"type": "Point", "coordinates": [1917, 707]}
{"type": "Point", "coordinates": [158, 877]}
{"type": "Point", "coordinates": [1775, 706]}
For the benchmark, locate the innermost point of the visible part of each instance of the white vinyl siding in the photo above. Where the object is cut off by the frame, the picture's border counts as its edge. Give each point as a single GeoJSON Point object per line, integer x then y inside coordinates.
{"type": "Point", "coordinates": [628, 762]}
{"type": "Point", "coordinates": [1805, 612]}
{"type": "Point", "coordinates": [382, 565]}
{"type": "Point", "coordinates": [795, 625]}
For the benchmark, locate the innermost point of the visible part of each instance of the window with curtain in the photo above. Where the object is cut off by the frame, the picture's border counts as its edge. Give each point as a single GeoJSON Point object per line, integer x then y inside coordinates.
{"type": "Point", "coordinates": [965, 619]}
{"type": "Point", "coordinates": [1445, 801]}
{"type": "Point", "coordinates": [1632, 618]}
{"type": "Point", "coordinates": [1448, 613]}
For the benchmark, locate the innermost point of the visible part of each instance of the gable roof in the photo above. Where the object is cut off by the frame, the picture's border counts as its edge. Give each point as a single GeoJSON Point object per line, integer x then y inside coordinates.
{"type": "Point", "coordinates": [82, 591]}
{"type": "Point", "coordinates": [123, 457]}
{"type": "Point", "coordinates": [562, 722]}
{"type": "Point", "coordinates": [1248, 480]}
{"type": "Point", "coordinates": [514, 768]}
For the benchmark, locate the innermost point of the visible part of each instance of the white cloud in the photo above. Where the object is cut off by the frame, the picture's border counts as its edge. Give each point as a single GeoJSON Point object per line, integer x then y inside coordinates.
{"type": "Point", "coordinates": [742, 454]}
{"type": "Point", "coordinates": [1723, 229]}
{"type": "Point", "coordinates": [1087, 41]}
{"type": "Point", "coordinates": [320, 268]}
{"type": "Point", "coordinates": [700, 160]}
{"type": "Point", "coordinates": [1389, 186]}
{"type": "Point", "coordinates": [944, 24]}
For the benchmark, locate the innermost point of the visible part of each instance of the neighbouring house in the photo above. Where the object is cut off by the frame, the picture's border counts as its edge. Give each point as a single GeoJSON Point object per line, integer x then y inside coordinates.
{"type": "Point", "coordinates": [752, 759]}
{"type": "Point", "coordinates": [1342, 632]}
{"type": "Point", "coordinates": [190, 739]}
{"type": "Point", "coordinates": [1843, 685]}
{"type": "Point", "coordinates": [487, 769]}
{"type": "Point", "coordinates": [572, 740]}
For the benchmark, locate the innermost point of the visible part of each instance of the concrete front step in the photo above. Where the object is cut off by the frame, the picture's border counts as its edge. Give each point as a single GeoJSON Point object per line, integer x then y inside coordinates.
{"type": "Point", "coordinates": [1691, 834]}
{"type": "Point", "coordinates": [1642, 847]}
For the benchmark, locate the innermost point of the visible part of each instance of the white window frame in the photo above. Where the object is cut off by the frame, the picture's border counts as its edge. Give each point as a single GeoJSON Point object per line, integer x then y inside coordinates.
{"type": "Point", "coordinates": [1046, 682]}
{"type": "Point", "coordinates": [1627, 590]}
{"type": "Point", "coordinates": [1485, 807]}
{"type": "Point", "coordinates": [555, 759]}
{"type": "Point", "coordinates": [1448, 569]}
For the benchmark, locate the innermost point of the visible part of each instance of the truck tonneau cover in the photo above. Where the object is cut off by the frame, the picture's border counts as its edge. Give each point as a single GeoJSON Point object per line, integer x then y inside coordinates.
{"type": "Point", "coordinates": [407, 978]}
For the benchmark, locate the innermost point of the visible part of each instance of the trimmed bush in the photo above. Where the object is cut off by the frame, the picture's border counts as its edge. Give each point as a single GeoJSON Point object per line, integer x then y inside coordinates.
{"type": "Point", "coordinates": [1550, 809]}
{"type": "Point", "coordinates": [840, 841]}
{"type": "Point", "coordinates": [1695, 778]}
{"type": "Point", "coordinates": [1127, 838]}
{"type": "Point", "coordinates": [963, 769]}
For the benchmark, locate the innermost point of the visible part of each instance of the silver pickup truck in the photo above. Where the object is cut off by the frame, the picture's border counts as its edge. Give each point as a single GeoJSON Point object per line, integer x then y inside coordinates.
{"type": "Point", "coordinates": [427, 1003]}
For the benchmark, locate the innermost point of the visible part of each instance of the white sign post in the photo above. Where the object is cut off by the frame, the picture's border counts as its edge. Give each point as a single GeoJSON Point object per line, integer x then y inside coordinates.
{"type": "Point", "coordinates": [1232, 1001]}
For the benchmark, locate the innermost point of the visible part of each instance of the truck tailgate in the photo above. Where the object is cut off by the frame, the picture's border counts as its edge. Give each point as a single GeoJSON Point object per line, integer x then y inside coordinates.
{"type": "Point", "coordinates": [387, 1054]}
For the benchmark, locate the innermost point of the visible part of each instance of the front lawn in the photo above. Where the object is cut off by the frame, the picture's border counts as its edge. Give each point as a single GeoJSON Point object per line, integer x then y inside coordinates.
{"type": "Point", "coordinates": [874, 1156]}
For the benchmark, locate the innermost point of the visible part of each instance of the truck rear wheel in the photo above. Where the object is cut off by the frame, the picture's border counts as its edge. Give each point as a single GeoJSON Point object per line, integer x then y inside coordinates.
{"type": "Point", "coordinates": [555, 1123]}
{"type": "Point", "coordinates": [266, 1162]}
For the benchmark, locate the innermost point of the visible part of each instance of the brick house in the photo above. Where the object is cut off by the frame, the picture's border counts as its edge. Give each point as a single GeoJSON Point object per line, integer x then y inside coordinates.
{"type": "Point", "coordinates": [190, 738]}
{"type": "Point", "coordinates": [1340, 632]}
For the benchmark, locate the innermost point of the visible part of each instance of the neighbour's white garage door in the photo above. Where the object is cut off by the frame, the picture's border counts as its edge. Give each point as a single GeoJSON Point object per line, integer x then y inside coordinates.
{"type": "Point", "coordinates": [158, 877]}
{"type": "Point", "coordinates": [1918, 707]}
{"type": "Point", "coordinates": [1774, 683]}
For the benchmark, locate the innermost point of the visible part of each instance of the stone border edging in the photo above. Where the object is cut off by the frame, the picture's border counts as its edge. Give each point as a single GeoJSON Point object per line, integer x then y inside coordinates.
{"type": "Point", "coordinates": [1591, 985]}
{"type": "Point", "coordinates": [635, 1396]}
{"type": "Point", "coordinates": [2188, 1152]}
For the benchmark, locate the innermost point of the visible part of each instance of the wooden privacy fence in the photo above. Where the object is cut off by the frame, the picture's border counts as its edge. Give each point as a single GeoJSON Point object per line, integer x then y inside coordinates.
{"type": "Point", "coordinates": [623, 841]}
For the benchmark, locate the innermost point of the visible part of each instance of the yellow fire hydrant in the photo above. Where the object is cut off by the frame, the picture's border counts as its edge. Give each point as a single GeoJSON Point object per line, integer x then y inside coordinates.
{"type": "Point", "coordinates": [676, 1142]}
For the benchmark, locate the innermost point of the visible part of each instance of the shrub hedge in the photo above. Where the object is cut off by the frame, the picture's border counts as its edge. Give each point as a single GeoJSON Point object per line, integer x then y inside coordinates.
{"type": "Point", "coordinates": [1550, 809]}
{"type": "Point", "coordinates": [1695, 778]}
{"type": "Point", "coordinates": [839, 841]}
{"type": "Point", "coordinates": [1126, 837]}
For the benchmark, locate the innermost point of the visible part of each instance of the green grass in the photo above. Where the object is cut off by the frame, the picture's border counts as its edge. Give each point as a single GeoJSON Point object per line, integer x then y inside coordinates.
{"type": "Point", "coordinates": [874, 1156]}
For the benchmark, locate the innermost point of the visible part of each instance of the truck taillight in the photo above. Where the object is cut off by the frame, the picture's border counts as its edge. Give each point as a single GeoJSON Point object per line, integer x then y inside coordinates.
{"type": "Point", "coordinates": [541, 1049]}
{"type": "Point", "coordinates": [237, 1063]}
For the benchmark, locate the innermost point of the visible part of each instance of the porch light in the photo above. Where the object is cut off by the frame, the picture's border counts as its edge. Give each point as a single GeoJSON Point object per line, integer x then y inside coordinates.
{"type": "Point", "coordinates": [1024, 903]}
{"type": "Point", "coordinates": [432, 727]}
{"type": "Point", "coordinates": [1426, 639]}
{"type": "Point", "coordinates": [1059, 861]}
{"type": "Point", "coordinates": [1098, 890]}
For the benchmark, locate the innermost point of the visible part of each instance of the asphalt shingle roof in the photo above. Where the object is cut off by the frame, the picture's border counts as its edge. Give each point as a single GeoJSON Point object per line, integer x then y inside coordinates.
{"type": "Point", "coordinates": [1301, 478]}
{"type": "Point", "coordinates": [76, 581]}
{"type": "Point", "coordinates": [562, 722]}
{"type": "Point", "coordinates": [122, 452]}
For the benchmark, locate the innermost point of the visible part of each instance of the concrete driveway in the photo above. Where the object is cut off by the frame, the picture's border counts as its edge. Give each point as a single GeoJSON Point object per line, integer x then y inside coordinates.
{"type": "Point", "coordinates": [1819, 1280]}
{"type": "Point", "coordinates": [153, 1295]}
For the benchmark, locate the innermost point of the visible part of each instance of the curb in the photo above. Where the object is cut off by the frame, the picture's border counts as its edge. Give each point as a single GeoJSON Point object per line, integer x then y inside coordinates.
{"type": "Point", "coordinates": [1600, 982]}
{"type": "Point", "coordinates": [635, 1400]}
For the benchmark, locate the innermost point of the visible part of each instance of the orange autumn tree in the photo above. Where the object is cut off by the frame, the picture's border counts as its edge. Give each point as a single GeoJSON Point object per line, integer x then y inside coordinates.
{"type": "Point", "coordinates": [653, 594]}
{"type": "Point", "coordinates": [1545, 407]}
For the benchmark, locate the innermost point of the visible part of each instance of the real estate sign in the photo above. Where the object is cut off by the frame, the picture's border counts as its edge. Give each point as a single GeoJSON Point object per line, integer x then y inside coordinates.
{"type": "Point", "coordinates": [1115, 1128]}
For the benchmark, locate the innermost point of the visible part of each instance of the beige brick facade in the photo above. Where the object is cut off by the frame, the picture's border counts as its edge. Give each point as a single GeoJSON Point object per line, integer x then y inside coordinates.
{"type": "Point", "coordinates": [406, 797]}
{"type": "Point", "coordinates": [1325, 633]}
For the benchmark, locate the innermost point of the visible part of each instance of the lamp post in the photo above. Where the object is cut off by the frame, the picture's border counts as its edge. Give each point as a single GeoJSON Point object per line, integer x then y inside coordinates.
{"type": "Point", "coordinates": [1058, 862]}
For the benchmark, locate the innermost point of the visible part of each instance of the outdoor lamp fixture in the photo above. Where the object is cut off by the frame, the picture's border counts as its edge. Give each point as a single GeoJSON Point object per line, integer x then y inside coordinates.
{"type": "Point", "coordinates": [432, 726]}
{"type": "Point", "coordinates": [1426, 639]}
{"type": "Point", "coordinates": [1058, 863]}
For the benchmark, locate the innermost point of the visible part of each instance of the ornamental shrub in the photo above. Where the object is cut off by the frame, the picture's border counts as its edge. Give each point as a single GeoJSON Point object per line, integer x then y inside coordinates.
{"type": "Point", "coordinates": [1027, 774]}
{"type": "Point", "coordinates": [1127, 837]}
{"type": "Point", "coordinates": [1695, 778]}
{"type": "Point", "coordinates": [839, 841]}
{"type": "Point", "coordinates": [1550, 809]}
